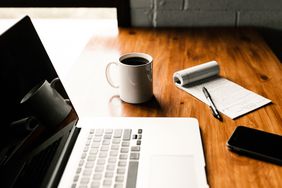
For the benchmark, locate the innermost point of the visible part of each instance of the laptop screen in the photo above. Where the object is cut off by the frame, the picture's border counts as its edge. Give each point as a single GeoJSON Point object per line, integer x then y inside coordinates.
{"type": "Point", "coordinates": [23, 64]}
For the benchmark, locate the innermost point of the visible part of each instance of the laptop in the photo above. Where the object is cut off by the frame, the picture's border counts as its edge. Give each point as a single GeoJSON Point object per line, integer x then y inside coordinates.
{"type": "Point", "coordinates": [80, 152]}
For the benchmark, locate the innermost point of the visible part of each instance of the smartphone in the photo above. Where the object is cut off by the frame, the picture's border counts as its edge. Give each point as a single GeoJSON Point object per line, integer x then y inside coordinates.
{"type": "Point", "coordinates": [257, 144]}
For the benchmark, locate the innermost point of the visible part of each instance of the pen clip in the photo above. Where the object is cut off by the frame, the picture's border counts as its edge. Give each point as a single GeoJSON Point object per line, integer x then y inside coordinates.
{"type": "Point", "coordinates": [211, 104]}
{"type": "Point", "coordinates": [205, 91]}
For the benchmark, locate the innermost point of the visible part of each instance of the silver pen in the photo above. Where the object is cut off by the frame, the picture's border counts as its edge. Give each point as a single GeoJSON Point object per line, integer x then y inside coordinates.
{"type": "Point", "coordinates": [211, 104]}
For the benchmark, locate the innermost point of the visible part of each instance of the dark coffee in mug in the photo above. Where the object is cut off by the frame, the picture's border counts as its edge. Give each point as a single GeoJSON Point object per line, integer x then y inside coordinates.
{"type": "Point", "coordinates": [135, 61]}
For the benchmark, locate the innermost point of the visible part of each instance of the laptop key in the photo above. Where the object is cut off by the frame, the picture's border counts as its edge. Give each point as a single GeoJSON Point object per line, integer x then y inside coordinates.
{"type": "Point", "coordinates": [119, 178]}
{"type": "Point", "coordinates": [106, 142]}
{"type": "Point", "coordinates": [103, 155]}
{"type": "Point", "coordinates": [99, 132]}
{"type": "Point", "coordinates": [81, 162]}
{"type": "Point", "coordinates": [89, 164]}
{"type": "Point", "coordinates": [125, 144]}
{"type": "Point", "coordinates": [83, 186]}
{"type": "Point", "coordinates": [85, 180]}
{"type": "Point", "coordinates": [101, 161]}
{"type": "Point", "coordinates": [107, 182]}
{"type": "Point", "coordinates": [123, 156]}
{"type": "Point", "coordinates": [95, 184]}
{"type": "Point", "coordinates": [135, 136]}
{"type": "Point", "coordinates": [109, 131]}
{"type": "Point", "coordinates": [118, 133]}
{"type": "Point", "coordinates": [95, 145]}
{"type": "Point", "coordinates": [112, 160]}
{"type": "Point", "coordinates": [87, 172]}
{"type": "Point", "coordinates": [135, 148]}
{"type": "Point", "coordinates": [93, 151]}
{"type": "Point", "coordinates": [78, 170]}
{"type": "Point", "coordinates": [127, 134]}
{"type": "Point", "coordinates": [113, 153]}
{"type": "Point", "coordinates": [97, 139]}
{"type": "Point", "coordinates": [122, 163]}
{"type": "Point", "coordinates": [83, 155]}
{"type": "Point", "coordinates": [110, 167]}
{"type": "Point", "coordinates": [109, 174]}
{"type": "Point", "coordinates": [85, 149]}
{"type": "Point", "coordinates": [134, 156]}
{"type": "Point", "coordinates": [116, 140]}
{"type": "Point", "coordinates": [99, 168]}
{"type": "Point", "coordinates": [91, 131]}
{"type": "Point", "coordinates": [124, 150]}
{"type": "Point", "coordinates": [132, 174]}
{"type": "Point", "coordinates": [105, 148]}
{"type": "Point", "coordinates": [91, 158]}
{"type": "Point", "coordinates": [75, 179]}
{"type": "Point", "coordinates": [97, 176]}
{"type": "Point", "coordinates": [118, 186]}
{"type": "Point", "coordinates": [107, 136]}
{"type": "Point", "coordinates": [121, 171]}
{"type": "Point", "coordinates": [115, 147]}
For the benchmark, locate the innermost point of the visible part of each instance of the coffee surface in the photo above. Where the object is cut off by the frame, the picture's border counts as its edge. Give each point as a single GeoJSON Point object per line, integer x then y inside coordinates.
{"type": "Point", "coordinates": [135, 61]}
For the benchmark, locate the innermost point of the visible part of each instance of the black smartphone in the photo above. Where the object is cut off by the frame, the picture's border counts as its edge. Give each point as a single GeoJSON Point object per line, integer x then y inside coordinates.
{"type": "Point", "coordinates": [257, 144]}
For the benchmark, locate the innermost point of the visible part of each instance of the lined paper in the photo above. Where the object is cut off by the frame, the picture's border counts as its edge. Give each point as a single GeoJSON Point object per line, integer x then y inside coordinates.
{"type": "Point", "coordinates": [229, 98]}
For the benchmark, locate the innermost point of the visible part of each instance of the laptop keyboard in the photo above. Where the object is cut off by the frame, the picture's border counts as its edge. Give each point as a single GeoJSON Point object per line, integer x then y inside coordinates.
{"type": "Point", "coordinates": [109, 159]}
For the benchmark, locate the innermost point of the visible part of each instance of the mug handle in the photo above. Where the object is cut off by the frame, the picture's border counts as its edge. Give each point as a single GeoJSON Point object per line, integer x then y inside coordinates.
{"type": "Point", "coordinates": [54, 81]}
{"type": "Point", "coordinates": [58, 86]}
{"type": "Point", "coordinates": [107, 72]}
{"type": "Point", "coordinates": [52, 84]}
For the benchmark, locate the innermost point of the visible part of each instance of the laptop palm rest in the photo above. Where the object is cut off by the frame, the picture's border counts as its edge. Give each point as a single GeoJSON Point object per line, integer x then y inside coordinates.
{"type": "Point", "coordinates": [180, 171]}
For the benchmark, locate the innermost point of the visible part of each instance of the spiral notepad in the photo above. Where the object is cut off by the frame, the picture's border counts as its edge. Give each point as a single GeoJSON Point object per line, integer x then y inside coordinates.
{"type": "Point", "coordinates": [230, 98]}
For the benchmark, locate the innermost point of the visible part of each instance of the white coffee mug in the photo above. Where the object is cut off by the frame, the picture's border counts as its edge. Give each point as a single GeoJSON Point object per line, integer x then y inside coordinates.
{"type": "Point", "coordinates": [135, 77]}
{"type": "Point", "coordinates": [46, 104]}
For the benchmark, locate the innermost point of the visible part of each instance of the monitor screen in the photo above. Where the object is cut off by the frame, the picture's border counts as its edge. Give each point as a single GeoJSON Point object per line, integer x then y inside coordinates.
{"type": "Point", "coordinates": [23, 64]}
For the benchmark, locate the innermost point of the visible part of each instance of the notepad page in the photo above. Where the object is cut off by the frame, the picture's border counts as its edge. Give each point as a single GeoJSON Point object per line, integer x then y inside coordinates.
{"type": "Point", "coordinates": [230, 98]}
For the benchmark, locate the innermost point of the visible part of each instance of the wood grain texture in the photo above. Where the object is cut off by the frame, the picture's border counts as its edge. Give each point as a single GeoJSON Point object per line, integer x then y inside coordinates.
{"type": "Point", "coordinates": [244, 58]}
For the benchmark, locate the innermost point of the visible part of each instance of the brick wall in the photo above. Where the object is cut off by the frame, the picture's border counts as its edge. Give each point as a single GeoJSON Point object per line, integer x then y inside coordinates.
{"type": "Point", "coordinates": [185, 13]}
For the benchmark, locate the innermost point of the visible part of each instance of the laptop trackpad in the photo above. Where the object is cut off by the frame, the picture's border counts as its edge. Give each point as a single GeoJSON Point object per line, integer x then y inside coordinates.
{"type": "Point", "coordinates": [173, 171]}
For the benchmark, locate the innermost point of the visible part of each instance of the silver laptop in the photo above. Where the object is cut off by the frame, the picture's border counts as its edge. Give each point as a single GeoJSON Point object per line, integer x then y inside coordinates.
{"type": "Point", "coordinates": [94, 152]}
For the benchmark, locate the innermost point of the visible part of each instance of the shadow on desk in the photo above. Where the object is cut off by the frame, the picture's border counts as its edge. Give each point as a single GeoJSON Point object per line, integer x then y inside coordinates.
{"type": "Point", "coordinates": [273, 38]}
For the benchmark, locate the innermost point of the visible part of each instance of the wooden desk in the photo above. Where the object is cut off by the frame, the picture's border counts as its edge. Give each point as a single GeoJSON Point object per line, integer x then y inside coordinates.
{"type": "Point", "coordinates": [243, 57]}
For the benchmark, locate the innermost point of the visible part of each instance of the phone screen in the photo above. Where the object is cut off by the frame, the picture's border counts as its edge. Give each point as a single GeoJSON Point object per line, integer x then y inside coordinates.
{"type": "Point", "coordinates": [258, 143]}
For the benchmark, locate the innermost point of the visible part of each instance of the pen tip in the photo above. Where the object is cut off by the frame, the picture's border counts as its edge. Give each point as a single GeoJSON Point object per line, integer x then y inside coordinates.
{"type": "Point", "coordinates": [219, 117]}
